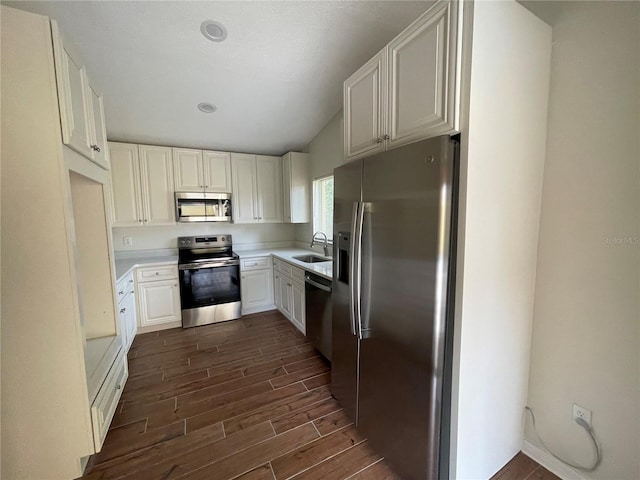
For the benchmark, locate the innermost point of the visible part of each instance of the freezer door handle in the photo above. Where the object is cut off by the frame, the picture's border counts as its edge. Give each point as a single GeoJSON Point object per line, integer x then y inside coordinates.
{"type": "Point", "coordinates": [357, 278]}
{"type": "Point", "coordinates": [353, 294]}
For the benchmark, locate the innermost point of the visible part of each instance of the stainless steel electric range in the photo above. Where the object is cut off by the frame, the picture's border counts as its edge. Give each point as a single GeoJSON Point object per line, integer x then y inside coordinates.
{"type": "Point", "coordinates": [209, 280]}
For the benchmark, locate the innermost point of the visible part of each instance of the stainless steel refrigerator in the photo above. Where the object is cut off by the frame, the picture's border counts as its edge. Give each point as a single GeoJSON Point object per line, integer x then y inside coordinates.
{"type": "Point", "coordinates": [392, 303]}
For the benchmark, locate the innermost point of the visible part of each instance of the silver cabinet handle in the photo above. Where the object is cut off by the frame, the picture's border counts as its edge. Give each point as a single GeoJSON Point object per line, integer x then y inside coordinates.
{"type": "Point", "coordinates": [378, 140]}
{"type": "Point", "coordinates": [122, 310]}
{"type": "Point", "coordinates": [121, 292]}
{"type": "Point", "coordinates": [95, 148]}
{"type": "Point", "coordinates": [132, 291]}
{"type": "Point", "coordinates": [157, 273]}
{"type": "Point", "coordinates": [386, 137]}
{"type": "Point", "coordinates": [130, 281]}
{"type": "Point", "coordinates": [119, 387]}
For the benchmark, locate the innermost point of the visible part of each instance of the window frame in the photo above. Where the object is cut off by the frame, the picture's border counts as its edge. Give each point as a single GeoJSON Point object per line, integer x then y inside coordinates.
{"type": "Point", "coordinates": [316, 196]}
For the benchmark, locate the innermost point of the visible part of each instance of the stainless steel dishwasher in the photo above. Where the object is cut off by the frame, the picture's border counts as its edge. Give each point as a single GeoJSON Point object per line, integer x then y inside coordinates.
{"type": "Point", "coordinates": [317, 298]}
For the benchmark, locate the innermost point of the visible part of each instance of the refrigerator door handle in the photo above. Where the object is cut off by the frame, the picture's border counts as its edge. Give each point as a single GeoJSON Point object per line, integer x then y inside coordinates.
{"type": "Point", "coordinates": [353, 294]}
{"type": "Point", "coordinates": [357, 279]}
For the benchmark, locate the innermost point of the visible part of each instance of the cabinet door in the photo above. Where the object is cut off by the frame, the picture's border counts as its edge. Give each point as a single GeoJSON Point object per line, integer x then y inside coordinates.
{"type": "Point", "coordinates": [269, 171]}
{"type": "Point", "coordinates": [285, 295]}
{"type": "Point", "coordinates": [126, 196]}
{"type": "Point", "coordinates": [286, 188]}
{"type": "Point", "coordinates": [130, 320]}
{"type": "Point", "coordinates": [72, 95]}
{"type": "Point", "coordinates": [297, 306]}
{"type": "Point", "coordinates": [217, 171]}
{"type": "Point", "coordinates": [156, 180]}
{"type": "Point", "coordinates": [277, 290]}
{"type": "Point", "coordinates": [256, 288]}
{"type": "Point", "coordinates": [364, 111]}
{"type": "Point", "coordinates": [187, 170]}
{"type": "Point", "coordinates": [98, 131]}
{"type": "Point", "coordinates": [159, 302]}
{"type": "Point", "coordinates": [245, 188]}
{"type": "Point", "coordinates": [296, 187]}
{"type": "Point", "coordinates": [423, 72]}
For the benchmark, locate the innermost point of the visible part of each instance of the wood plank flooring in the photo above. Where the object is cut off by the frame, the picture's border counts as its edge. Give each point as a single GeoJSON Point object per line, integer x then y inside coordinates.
{"type": "Point", "coordinates": [247, 399]}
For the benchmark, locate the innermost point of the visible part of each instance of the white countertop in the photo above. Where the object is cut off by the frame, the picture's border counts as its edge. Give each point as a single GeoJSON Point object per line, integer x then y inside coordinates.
{"type": "Point", "coordinates": [124, 265]}
{"type": "Point", "coordinates": [324, 269]}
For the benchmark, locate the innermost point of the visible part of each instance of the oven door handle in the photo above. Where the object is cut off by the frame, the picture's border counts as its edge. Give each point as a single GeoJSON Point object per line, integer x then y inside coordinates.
{"type": "Point", "coordinates": [199, 266]}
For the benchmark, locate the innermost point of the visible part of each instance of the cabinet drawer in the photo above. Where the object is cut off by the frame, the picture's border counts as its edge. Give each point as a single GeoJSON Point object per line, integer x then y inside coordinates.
{"type": "Point", "coordinates": [163, 272]}
{"type": "Point", "coordinates": [104, 406]}
{"type": "Point", "coordinates": [255, 263]}
{"type": "Point", "coordinates": [284, 268]}
{"type": "Point", "coordinates": [124, 287]}
{"type": "Point", "coordinates": [297, 274]}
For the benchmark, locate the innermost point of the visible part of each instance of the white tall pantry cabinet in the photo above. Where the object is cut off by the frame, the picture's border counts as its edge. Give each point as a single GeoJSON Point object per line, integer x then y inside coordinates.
{"type": "Point", "coordinates": [503, 124]}
{"type": "Point", "coordinates": [57, 395]}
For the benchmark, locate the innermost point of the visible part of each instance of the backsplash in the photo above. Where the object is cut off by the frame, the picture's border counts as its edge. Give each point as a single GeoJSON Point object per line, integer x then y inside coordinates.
{"type": "Point", "coordinates": [244, 236]}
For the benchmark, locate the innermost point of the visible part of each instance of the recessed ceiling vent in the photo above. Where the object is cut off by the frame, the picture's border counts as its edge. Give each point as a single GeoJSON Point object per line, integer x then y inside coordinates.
{"type": "Point", "coordinates": [207, 107]}
{"type": "Point", "coordinates": [213, 30]}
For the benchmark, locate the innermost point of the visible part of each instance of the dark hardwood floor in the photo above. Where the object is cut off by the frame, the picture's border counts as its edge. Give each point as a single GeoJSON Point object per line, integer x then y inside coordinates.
{"type": "Point", "coordinates": [247, 399]}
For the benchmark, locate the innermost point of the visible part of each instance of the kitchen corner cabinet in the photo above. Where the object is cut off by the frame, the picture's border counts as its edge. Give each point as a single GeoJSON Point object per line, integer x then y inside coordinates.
{"type": "Point", "coordinates": [158, 295]}
{"type": "Point", "coordinates": [81, 106]}
{"type": "Point", "coordinates": [411, 89]}
{"type": "Point", "coordinates": [257, 188]}
{"type": "Point", "coordinates": [289, 292]}
{"type": "Point", "coordinates": [201, 170]}
{"type": "Point", "coordinates": [256, 284]}
{"type": "Point", "coordinates": [296, 187]}
{"type": "Point", "coordinates": [142, 184]}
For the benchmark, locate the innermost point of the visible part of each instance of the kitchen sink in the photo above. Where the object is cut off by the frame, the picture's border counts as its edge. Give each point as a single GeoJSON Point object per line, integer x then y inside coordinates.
{"type": "Point", "coordinates": [311, 258]}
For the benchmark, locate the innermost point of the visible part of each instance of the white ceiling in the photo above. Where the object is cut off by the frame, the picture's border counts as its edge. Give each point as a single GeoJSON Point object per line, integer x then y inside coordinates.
{"type": "Point", "coordinates": [276, 80]}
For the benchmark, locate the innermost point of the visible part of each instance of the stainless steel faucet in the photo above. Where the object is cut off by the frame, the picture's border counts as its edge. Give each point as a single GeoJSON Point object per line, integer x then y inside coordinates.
{"type": "Point", "coordinates": [325, 243]}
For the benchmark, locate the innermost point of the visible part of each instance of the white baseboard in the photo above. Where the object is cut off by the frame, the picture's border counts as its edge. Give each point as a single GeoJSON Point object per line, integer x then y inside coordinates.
{"type": "Point", "coordinates": [551, 463]}
{"type": "Point", "coordinates": [264, 308]}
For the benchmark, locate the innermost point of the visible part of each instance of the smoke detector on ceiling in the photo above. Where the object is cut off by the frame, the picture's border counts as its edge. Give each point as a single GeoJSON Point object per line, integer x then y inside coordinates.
{"type": "Point", "coordinates": [213, 30]}
{"type": "Point", "coordinates": [207, 107]}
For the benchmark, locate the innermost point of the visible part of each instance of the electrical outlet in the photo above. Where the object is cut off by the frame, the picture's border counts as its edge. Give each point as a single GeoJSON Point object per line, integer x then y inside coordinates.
{"type": "Point", "coordinates": [128, 241]}
{"type": "Point", "coordinates": [581, 412]}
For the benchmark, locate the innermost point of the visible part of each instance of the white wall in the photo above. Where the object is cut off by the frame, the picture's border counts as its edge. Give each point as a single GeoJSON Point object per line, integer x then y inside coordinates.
{"type": "Point", "coordinates": [244, 236]}
{"type": "Point", "coordinates": [586, 330]}
{"type": "Point", "coordinates": [326, 153]}
{"type": "Point", "coordinates": [502, 162]}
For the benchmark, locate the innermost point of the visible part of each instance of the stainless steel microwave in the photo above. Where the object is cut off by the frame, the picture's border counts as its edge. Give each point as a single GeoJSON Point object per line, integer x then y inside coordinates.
{"type": "Point", "coordinates": [203, 207]}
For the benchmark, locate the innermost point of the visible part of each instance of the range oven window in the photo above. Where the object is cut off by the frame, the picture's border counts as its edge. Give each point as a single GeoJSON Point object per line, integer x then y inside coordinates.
{"type": "Point", "coordinates": [209, 286]}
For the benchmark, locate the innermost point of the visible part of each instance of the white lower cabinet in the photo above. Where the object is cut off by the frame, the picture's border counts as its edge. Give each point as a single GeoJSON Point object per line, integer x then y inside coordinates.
{"type": "Point", "coordinates": [127, 310]}
{"type": "Point", "coordinates": [256, 284]}
{"type": "Point", "coordinates": [289, 286]}
{"type": "Point", "coordinates": [158, 295]}
{"type": "Point", "coordinates": [104, 406]}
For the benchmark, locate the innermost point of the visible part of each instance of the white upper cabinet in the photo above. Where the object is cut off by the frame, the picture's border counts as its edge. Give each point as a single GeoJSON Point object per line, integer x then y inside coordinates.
{"type": "Point", "coordinates": [257, 188]}
{"type": "Point", "coordinates": [99, 132]}
{"type": "Point", "coordinates": [187, 170]}
{"type": "Point", "coordinates": [364, 113]}
{"type": "Point", "coordinates": [410, 90]}
{"type": "Point", "coordinates": [81, 107]}
{"type": "Point", "coordinates": [269, 171]}
{"type": "Point", "coordinates": [126, 195]}
{"type": "Point", "coordinates": [296, 187]}
{"type": "Point", "coordinates": [217, 171]}
{"type": "Point", "coordinates": [142, 184]}
{"type": "Point", "coordinates": [245, 188]}
{"type": "Point", "coordinates": [156, 179]}
{"type": "Point", "coordinates": [201, 170]}
{"type": "Point", "coordinates": [423, 77]}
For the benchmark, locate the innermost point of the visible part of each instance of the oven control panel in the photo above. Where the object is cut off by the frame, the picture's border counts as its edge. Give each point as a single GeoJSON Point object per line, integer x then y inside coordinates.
{"type": "Point", "coordinates": [205, 241]}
